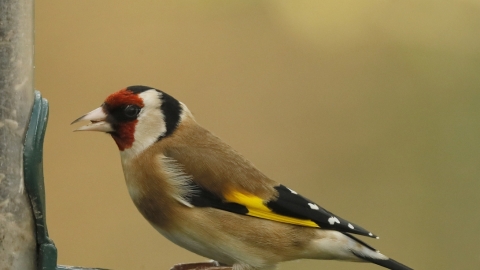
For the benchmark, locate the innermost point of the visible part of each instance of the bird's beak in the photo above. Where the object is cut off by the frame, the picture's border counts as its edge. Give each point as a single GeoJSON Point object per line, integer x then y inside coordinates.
{"type": "Point", "coordinates": [98, 123]}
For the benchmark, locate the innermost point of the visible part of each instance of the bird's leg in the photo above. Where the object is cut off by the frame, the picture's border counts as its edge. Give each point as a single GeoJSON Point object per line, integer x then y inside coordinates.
{"type": "Point", "coordinates": [212, 265]}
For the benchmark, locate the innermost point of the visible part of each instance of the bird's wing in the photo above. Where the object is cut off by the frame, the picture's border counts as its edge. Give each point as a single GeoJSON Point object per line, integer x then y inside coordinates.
{"type": "Point", "coordinates": [217, 169]}
{"type": "Point", "coordinates": [288, 207]}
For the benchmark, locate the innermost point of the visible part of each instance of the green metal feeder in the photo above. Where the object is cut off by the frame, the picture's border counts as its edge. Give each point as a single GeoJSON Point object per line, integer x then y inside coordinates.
{"type": "Point", "coordinates": [24, 241]}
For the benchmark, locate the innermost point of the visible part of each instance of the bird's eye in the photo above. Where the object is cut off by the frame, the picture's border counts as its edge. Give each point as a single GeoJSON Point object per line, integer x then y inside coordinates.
{"type": "Point", "coordinates": [131, 111]}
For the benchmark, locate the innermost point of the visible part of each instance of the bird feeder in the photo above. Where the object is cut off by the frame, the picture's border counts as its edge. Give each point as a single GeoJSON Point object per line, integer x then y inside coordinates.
{"type": "Point", "coordinates": [18, 244]}
{"type": "Point", "coordinates": [24, 241]}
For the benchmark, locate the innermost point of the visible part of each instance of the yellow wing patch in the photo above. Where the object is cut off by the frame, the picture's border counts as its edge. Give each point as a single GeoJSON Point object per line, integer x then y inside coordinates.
{"type": "Point", "coordinates": [257, 208]}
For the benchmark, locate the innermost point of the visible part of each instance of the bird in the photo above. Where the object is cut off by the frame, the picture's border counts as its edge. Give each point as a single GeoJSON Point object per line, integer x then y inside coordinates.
{"type": "Point", "coordinates": [201, 194]}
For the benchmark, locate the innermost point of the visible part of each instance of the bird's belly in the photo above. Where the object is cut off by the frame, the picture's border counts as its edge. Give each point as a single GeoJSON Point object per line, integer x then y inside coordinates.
{"type": "Point", "coordinates": [195, 243]}
{"type": "Point", "coordinates": [197, 230]}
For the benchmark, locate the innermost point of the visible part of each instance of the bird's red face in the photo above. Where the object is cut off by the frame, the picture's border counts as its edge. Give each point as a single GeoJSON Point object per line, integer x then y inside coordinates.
{"type": "Point", "coordinates": [123, 108]}
{"type": "Point", "coordinates": [135, 114]}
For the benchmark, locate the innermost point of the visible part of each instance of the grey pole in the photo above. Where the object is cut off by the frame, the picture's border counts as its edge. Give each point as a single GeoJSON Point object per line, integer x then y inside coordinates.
{"type": "Point", "coordinates": [17, 234]}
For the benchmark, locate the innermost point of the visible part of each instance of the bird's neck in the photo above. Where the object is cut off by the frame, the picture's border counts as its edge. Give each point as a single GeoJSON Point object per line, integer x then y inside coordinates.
{"type": "Point", "coordinates": [149, 187]}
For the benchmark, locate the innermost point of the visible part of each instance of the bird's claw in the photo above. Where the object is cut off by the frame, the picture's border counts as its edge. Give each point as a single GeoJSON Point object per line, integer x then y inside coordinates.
{"type": "Point", "coordinates": [213, 265]}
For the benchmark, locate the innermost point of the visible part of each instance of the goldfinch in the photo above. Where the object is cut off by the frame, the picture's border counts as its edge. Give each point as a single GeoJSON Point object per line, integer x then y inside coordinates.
{"type": "Point", "coordinates": [201, 194]}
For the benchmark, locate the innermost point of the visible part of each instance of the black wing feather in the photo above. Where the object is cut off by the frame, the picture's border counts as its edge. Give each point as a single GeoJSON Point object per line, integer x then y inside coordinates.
{"type": "Point", "coordinates": [201, 197]}
{"type": "Point", "coordinates": [289, 203]}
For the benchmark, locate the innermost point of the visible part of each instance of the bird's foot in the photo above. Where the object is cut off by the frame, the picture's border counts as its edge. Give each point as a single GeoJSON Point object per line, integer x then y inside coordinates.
{"type": "Point", "coordinates": [213, 265]}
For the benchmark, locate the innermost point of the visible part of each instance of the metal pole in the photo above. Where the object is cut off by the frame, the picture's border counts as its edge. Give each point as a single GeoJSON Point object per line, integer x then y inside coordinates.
{"type": "Point", "coordinates": [17, 236]}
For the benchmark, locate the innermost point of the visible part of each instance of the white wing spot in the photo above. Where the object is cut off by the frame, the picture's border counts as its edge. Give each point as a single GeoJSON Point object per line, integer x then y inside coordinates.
{"type": "Point", "coordinates": [313, 206]}
{"type": "Point", "coordinates": [332, 220]}
{"type": "Point", "coordinates": [350, 226]}
{"type": "Point", "coordinates": [293, 191]}
{"type": "Point", "coordinates": [371, 234]}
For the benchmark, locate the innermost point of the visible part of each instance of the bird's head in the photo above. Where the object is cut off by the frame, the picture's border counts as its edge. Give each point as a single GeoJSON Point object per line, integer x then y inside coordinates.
{"type": "Point", "coordinates": [136, 117]}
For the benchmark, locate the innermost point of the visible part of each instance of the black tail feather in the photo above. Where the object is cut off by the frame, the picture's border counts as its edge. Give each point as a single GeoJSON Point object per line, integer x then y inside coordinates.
{"type": "Point", "coordinates": [389, 263]}
{"type": "Point", "coordinates": [360, 241]}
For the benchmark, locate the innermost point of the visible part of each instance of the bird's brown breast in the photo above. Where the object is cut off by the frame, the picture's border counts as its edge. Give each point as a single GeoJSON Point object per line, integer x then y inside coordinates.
{"type": "Point", "coordinates": [150, 189]}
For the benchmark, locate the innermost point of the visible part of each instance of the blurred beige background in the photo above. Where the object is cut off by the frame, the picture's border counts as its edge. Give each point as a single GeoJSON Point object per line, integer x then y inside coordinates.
{"type": "Point", "coordinates": [370, 108]}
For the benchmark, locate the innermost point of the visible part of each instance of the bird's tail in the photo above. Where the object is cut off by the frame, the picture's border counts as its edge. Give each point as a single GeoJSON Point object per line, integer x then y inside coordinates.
{"type": "Point", "coordinates": [379, 260]}
{"type": "Point", "coordinates": [336, 245]}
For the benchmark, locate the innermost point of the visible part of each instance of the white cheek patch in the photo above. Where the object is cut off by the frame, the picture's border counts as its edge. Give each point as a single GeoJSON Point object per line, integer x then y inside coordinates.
{"type": "Point", "coordinates": [150, 123]}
